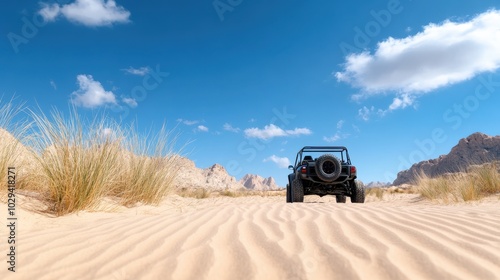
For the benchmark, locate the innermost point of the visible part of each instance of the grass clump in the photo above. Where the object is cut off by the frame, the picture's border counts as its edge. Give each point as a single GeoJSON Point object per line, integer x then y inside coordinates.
{"type": "Point", "coordinates": [79, 161]}
{"type": "Point", "coordinates": [377, 192]}
{"type": "Point", "coordinates": [12, 133]}
{"type": "Point", "coordinates": [82, 161]}
{"type": "Point", "coordinates": [476, 183]}
{"type": "Point", "coordinates": [148, 168]}
{"type": "Point", "coordinates": [198, 193]}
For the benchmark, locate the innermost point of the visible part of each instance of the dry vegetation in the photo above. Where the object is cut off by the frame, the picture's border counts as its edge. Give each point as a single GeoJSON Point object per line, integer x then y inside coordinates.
{"type": "Point", "coordinates": [78, 161]}
{"type": "Point", "coordinates": [476, 183]}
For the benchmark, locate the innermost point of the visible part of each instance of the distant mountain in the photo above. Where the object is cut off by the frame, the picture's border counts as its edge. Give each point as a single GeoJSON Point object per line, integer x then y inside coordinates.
{"type": "Point", "coordinates": [217, 178]}
{"type": "Point", "coordinates": [477, 148]}
{"type": "Point", "coordinates": [256, 182]}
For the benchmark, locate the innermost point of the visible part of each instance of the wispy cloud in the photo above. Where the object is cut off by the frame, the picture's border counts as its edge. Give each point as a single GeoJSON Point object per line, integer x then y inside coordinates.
{"type": "Point", "coordinates": [87, 12]}
{"type": "Point", "coordinates": [271, 131]}
{"type": "Point", "coordinates": [340, 124]}
{"type": "Point", "coordinates": [366, 113]}
{"type": "Point", "coordinates": [281, 162]}
{"type": "Point", "coordinates": [188, 122]}
{"type": "Point", "coordinates": [141, 71]}
{"type": "Point", "coordinates": [91, 93]}
{"type": "Point", "coordinates": [53, 84]}
{"type": "Point", "coordinates": [442, 54]}
{"type": "Point", "coordinates": [229, 127]}
{"type": "Point", "coordinates": [130, 101]}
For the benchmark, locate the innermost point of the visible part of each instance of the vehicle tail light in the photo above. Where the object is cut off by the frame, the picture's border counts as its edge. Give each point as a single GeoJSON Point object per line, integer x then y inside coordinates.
{"type": "Point", "coordinates": [303, 170]}
{"type": "Point", "coordinates": [353, 169]}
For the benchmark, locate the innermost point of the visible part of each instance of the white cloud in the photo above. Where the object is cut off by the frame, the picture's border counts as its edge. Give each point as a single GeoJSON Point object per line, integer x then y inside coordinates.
{"type": "Point", "coordinates": [91, 94]}
{"type": "Point", "coordinates": [141, 71]}
{"type": "Point", "coordinates": [53, 84]}
{"type": "Point", "coordinates": [130, 101]}
{"type": "Point", "coordinates": [442, 54]}
{"type": "Point", "coordinates": [202, 128]}
{"type": "Point", "coordinates": [282, 162]}
{"type": "Point", "coordinates": [340, 124]}
{"type": "Point", "coordinates": [365, 113]}
{"type": "Point", "coordinates": [229, 127]}
{"type": "Point", "coordinates": [333, 138]}
{"type": "Point", "coordinates": [271, 131]}
{"type": "Point", "coordinates": [188, 122]}
{"type": "Point", "coordinates": [87, 12]}
{"type": "Point", "coordinates": [401, 102]}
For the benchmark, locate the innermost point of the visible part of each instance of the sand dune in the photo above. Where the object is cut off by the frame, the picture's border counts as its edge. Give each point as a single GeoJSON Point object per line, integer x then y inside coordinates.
{"type": "Point", "coordinates": [263, 238]}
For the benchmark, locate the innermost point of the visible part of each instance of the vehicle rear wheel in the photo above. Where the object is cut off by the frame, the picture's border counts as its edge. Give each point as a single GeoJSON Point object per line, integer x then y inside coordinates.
{"type": "Point", "coordinates": [358, 192]}
{"type": "Point", "coordinates": [341, 198]}
{"type": "Point", "coordinates": [328, 167]}
{"type": "Point", "coordinates": [288, 194]}
{"type": "Point", "coordinates": [297, 191]}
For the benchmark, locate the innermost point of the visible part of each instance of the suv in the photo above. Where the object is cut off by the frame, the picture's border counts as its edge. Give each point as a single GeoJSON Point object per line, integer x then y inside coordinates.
{"type": "Point", "coordinates": [324, 170]}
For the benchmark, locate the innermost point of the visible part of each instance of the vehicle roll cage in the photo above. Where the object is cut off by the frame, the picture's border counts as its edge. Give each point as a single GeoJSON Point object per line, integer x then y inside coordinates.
{"type": "Point", "coordinates": [324, 149]}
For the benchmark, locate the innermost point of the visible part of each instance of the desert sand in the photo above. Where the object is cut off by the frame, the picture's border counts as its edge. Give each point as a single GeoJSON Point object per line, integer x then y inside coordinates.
{"type": "Point", "coordinates": [400, 237]}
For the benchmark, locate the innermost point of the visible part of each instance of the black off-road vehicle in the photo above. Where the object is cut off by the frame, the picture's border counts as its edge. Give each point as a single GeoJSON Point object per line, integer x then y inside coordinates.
{"type": "Point", "coordinates": [324, 170]}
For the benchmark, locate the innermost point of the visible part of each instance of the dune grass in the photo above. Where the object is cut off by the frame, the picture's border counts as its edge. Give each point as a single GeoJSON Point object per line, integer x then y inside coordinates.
{"type": "Point", "coordinates": [83, 160]}
{"type": "Point", "coordinates": [150, 168]}
{"type": "Point", "coordinates": [198, 193]}
{"type": "Point", "coordinates": [376, 191]}
{"type": "Point", "coordinates": [473, 184]}
{"type": "Point", "coordinates": [10, 149]}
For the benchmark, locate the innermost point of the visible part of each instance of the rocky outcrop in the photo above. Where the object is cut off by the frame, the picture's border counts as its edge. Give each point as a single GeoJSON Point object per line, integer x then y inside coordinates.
{"type": "Point", "coordinates": [217, 178]}
{"type": "Point", "coordinates": [213, 178]}
{"type": "Point", "coordinates": [477, 148]}
{"type": "Point", "coordinates": [256, 182]}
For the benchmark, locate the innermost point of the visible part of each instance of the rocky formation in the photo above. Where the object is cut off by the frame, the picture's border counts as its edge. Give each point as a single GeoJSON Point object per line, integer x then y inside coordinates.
{"type": "Point", "coordinates": [213, 178]}
{"type": "Point", "coordinates": [477, 148]}
{"type": "Point", "coordinates": [217, 178]}
{"type": "Point", "coordinates": [256, 182]}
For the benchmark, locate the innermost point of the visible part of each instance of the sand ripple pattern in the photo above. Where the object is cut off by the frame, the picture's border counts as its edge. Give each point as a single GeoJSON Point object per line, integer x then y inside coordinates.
{"type": "Point", "coordinates": [264, 238]}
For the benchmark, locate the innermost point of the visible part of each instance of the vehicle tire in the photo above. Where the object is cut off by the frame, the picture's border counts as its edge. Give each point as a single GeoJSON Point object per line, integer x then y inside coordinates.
{"type": "Point", "coordinates": [358, 192]}
{"type": "Point", "coordinates": [341, 198]}
{"type": "Point", "coordinates": [297, 191]}
{"type": "Point", "coordinates": [328, 167]}
{"type": "Point", "coordinates": [288, 194]}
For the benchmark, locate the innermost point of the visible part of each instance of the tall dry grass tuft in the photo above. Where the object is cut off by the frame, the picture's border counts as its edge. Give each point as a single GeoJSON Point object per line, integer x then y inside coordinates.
{"type": "Point", "coordinates": [376, 191]}
{"type": "Point", "coordinates": [477, 182]}
{"type": "Point", "coordinates": [148, 167]}
{"type": "Point", "coordinates": [12, 150]}
{"type": "Point", "coordinates": [79, 160]}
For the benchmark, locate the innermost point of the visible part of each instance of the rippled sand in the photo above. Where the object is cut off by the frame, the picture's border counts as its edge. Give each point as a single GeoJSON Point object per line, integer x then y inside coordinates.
{"type": "Point", "coordinates": [263, 238]}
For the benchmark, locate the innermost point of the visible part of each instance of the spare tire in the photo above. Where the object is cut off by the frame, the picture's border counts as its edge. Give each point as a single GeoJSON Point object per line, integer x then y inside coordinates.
{"type": "Point", "coordinates": [328, 167]}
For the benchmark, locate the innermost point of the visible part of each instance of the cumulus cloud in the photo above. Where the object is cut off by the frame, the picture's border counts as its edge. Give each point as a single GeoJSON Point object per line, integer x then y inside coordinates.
{"type": "Point", "coordinates": [141, 71]}
{"type": "Point", "coordinates": [87, 12]}
{"type": "Point", "coordinates": [442, 54]}
{"type": "Point", "coordinates": [91, 94]}
{"type": "Point", "coordinates": [229, 127]}
{"type": "Point", "coordinates": [271, 131]}
{"type": "Point", "coordinates": [130, 101]}
{"type": "Point", "coordinates": [281, 162]}
{"type": "Point", "coordinates": [202, 128]}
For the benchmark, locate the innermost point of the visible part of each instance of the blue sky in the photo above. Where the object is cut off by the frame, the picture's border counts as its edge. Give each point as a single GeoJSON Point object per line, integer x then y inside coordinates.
{"type": "Point", "coordinates": [248, 83]}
